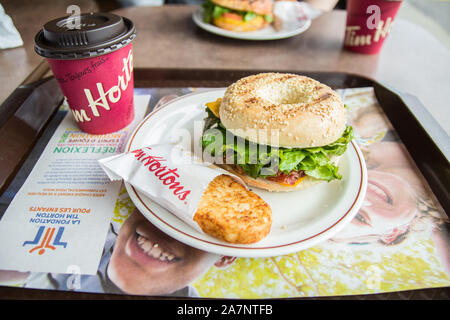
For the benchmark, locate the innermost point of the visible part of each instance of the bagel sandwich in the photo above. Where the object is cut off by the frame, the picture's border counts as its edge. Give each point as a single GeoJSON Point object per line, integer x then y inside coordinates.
{"type": "Point", "coordinates": [238, 15]}
{"type": "Point", "coordinates": [278, 132]}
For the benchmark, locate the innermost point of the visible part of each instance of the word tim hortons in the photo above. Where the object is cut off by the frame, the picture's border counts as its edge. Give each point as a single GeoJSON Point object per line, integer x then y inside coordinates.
{"type": "Point", "coordinates": [112, 95]}
{"type": "Point", "coordinates": [354, 39]}
{"type": "Point", "coordinates": [93, 66]}
{"type": "Point", "coordinates": [167, 176]}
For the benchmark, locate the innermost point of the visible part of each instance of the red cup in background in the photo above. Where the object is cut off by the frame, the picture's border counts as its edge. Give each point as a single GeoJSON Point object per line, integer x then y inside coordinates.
{"type": "Point", "coordinates": [94, 68]}
{"type": "Point", "coordinates": [368, 24]}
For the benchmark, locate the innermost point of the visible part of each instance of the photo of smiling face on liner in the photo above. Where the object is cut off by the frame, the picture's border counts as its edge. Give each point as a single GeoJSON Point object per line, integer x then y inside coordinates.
{"type": "Point", "coordinates": [147, 261]}
{"type": "Point", "coordinates": [390, 205]}
{"type": "Point", "coordinates": [388, 209]}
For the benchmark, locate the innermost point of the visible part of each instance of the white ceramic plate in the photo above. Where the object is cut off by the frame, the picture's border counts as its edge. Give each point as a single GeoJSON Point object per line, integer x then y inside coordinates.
{"type": "Point", "coordinates": [268, 33]}
{"type": "Point", "coordinates": [299, 219]}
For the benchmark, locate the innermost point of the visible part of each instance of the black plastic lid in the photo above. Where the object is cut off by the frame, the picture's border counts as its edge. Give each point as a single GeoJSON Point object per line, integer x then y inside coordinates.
{"type": "Point", "coordinates": [99, 33]}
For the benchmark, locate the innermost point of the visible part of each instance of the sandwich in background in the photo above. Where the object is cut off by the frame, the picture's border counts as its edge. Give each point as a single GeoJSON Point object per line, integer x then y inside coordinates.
{"type": "Point", "coordinates": [239, 15]}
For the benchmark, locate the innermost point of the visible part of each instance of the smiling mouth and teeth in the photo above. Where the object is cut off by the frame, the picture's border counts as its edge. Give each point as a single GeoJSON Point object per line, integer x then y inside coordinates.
{"type": "Point", "coordinates": [154, 250]}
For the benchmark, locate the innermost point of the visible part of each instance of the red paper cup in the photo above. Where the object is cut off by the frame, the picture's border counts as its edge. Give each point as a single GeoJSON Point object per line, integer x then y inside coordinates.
{"type": "Point", "coordinates": [368, 24]}
{"type": "Point", "coordinates": [94, 68]}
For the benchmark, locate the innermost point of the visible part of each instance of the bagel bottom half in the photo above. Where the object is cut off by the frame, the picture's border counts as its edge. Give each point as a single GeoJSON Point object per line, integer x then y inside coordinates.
{"type": "Point", "coordinates": [272, 186]}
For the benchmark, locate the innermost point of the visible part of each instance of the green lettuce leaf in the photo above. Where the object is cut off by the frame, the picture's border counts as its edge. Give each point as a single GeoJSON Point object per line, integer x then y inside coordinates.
{"type": "Point", "coordinates": [268, 18]}
{"type": "Point", "coordinates": [218, 11]}
{"type": "Point", "coordinates": [249, 16]}
{"type": "Point", "coordinates": [212, 11]}
{"type": "Point", "coordinates": [208, 8]}
{"type": "Point", "coordinates": [265, 161]}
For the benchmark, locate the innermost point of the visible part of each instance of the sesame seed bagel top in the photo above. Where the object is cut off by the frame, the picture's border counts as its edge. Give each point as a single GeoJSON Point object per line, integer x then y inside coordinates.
{"type": "Point", "coordinates": [283, 110]}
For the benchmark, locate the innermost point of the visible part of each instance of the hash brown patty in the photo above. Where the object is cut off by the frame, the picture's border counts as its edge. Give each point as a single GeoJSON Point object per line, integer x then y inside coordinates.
{"type": "Point", "coordinates": [230, 212]}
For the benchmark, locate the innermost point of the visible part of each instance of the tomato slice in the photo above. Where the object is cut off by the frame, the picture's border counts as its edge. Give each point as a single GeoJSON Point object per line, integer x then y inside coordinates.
{"type": "Point", "coordinates": [290, 180]}
{"type": "Point", "coordinates": [234, 16]}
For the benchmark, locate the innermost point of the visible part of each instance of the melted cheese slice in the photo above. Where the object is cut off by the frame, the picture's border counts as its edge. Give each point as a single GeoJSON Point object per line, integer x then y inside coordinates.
{"type": "Point", "coordinates": [233, 23]}
{"type": "Point", "coordinates": [214, 106]}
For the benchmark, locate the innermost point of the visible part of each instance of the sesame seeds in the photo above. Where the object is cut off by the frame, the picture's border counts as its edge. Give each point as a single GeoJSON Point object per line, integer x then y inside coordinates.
{"type": "Point", "coordinates": [285, 102]}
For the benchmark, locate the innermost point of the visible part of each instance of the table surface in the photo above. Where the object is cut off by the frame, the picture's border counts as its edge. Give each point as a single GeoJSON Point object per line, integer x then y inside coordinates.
{"type": "Point", "coordinates": [412, 60]}
{"type": "Point", "coordinates": [16, 64]}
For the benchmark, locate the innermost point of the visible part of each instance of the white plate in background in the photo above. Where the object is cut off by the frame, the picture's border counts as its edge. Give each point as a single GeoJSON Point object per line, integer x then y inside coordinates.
{"type": "Point", "coordinates": [268, 33]}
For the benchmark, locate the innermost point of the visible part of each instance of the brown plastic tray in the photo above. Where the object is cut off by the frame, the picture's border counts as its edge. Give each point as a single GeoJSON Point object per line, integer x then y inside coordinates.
{"type": "Point", "coordinates": [29, 117]}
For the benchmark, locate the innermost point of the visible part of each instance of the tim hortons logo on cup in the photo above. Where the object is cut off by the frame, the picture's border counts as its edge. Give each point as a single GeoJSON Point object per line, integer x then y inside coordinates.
{"type": "Point", "coordinates": [354, 40]}
{"type": "Point", "coordinates": [112, 95]}
{"type": "Point", "coordinates": [167, 176]}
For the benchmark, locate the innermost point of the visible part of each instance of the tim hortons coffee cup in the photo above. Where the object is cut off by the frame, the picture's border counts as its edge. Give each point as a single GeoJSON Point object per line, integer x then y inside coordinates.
{"type": "Point", "coordinates": [91, 56]}
{"type": "Point", "coordinates": [368, 24]}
